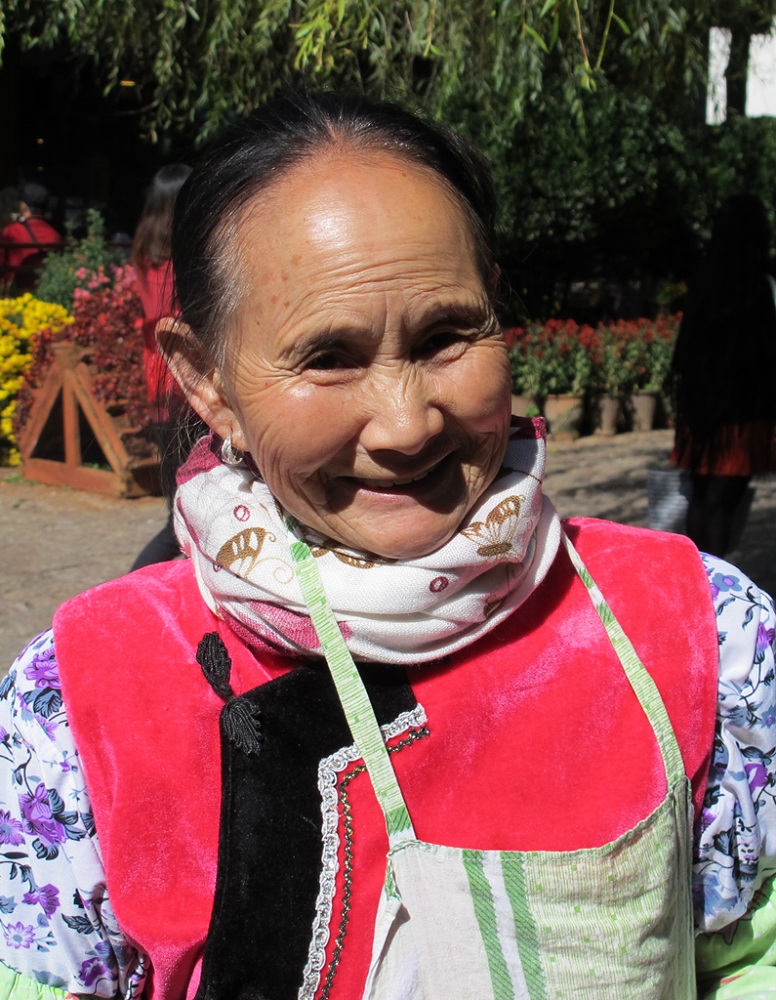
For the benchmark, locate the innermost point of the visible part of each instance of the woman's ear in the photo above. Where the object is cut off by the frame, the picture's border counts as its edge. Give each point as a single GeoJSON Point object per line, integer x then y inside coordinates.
{"type": "Point", "coordinates": [201, 382]}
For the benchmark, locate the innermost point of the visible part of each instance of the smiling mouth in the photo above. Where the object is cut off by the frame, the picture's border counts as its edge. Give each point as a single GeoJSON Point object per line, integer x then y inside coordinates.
{"type": "Point", "coordinates": [399, 482]}
{"type": "Point", "coordinates": [390, 484]}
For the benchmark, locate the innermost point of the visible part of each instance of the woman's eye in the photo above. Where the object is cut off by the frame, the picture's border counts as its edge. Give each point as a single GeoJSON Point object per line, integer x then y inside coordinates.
{"type": "Point", "coordinates": [328, 361]}
{"type": "Point", "coordinates": [441, 341]}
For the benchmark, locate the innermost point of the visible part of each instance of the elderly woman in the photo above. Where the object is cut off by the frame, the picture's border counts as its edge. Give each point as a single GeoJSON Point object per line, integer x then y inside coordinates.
{"type": "Point", "coordinates": [391, 731]}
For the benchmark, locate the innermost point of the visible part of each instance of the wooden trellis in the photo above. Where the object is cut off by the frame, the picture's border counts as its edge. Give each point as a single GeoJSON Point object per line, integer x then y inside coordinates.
{"type": "Point", "coordinates": [74, 439]}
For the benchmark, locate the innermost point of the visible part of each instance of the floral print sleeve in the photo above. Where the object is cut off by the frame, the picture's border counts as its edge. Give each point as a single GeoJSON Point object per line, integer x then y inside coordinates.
{"type": "Point", "coordinates": [56, 923]}
{"type": "Point", "coordinates": [735, 844]}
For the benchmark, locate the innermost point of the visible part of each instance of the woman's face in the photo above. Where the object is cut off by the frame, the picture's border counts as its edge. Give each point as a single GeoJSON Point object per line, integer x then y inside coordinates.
{"type": "Point", "coordinates": [365, 370]}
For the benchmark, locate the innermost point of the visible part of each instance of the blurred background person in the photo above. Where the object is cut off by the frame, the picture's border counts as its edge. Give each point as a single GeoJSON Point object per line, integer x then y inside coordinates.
{"type": "Point", "coordinates": [9, 205]}
{"type": "Point", "coordinates": [725, 363]}
{"type": "Point", "coordinates": [150, 257]}
{"type": "Point", "coordinates": [32, 233]}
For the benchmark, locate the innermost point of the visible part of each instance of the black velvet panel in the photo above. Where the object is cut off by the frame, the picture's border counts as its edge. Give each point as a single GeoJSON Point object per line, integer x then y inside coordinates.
{"type": "Point", "coordinates": [269, 854]}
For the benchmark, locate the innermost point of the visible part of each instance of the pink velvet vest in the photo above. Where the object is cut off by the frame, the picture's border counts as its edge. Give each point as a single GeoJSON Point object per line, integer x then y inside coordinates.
{"type": "Point", "coordinates": [534, 739]}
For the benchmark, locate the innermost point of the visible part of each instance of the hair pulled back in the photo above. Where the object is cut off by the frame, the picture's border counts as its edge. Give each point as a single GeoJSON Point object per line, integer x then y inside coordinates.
{"type": "Point", "coordinates": [250, 155]}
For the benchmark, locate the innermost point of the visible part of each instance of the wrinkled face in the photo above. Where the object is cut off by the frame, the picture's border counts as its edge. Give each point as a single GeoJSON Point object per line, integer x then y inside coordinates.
{"type": "Point", "coordinates": [365, 370]}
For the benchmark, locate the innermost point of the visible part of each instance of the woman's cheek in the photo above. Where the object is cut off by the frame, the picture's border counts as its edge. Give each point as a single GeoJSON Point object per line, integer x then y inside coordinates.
{"type": "Point", "coordinates": [292, 438]}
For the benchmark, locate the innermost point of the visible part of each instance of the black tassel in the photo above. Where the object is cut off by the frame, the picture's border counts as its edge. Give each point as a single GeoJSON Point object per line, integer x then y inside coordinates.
{"type": "Point", "coordinates": [239, 718]}
{"type": "Point", "coordinates": [216, 664]}
{"type": "Point", "coordinates": [242, 725]}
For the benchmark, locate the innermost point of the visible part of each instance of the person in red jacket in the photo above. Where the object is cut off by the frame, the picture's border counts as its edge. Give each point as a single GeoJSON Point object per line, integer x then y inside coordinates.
{"type": "Point", "coordinates": [33, 236]}
{"type": "Point", "coordinates": [150, 258]}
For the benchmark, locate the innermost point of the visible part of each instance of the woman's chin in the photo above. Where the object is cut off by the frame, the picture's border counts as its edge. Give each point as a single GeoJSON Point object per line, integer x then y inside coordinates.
{"type": "Point", "coordinates": [396, 521]}
{"type": "Point", "coordinates": [400, 538]}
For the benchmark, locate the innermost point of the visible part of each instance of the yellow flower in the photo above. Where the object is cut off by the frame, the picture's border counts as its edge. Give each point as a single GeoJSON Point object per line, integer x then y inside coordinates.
{"type": "Point", "coordinates": [20, 319]}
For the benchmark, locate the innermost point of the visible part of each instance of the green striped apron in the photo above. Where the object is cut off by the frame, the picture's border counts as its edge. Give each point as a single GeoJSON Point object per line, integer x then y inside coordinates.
{"type": "Point", "coordinates": [609, 923]}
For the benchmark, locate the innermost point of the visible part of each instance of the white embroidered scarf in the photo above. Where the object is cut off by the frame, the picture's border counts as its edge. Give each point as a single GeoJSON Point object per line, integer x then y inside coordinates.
{"type": "Point", "coordinates": [412, 611]}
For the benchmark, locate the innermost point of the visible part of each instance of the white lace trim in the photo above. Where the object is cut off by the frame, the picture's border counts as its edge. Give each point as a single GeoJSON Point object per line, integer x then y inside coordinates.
{"type": "Point", "coordinates": [328, 770]}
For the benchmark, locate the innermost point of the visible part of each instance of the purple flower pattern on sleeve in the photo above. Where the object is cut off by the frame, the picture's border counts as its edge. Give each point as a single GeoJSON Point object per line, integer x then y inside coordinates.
{"type": "Point", "coordinates": [735, 841]}
{"type": "Point", "coordinates": [56, 922]}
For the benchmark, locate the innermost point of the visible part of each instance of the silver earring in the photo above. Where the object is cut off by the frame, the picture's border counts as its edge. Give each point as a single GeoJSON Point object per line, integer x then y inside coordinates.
{"type": "Point", "coordinates": [229, 454]}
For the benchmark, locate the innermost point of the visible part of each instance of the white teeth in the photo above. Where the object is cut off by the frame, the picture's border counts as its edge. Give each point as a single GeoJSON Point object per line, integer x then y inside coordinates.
{"type": "Point", "coordinates": [387, 484]}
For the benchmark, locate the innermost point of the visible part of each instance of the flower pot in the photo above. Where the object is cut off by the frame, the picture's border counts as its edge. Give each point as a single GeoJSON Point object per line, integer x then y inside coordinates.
{"type": "Point", "coordinates": [643, 407]}
{"type": "Point", "coordinates": [564, 415]}
{"type": "Point", "coordinates": [608, 415]}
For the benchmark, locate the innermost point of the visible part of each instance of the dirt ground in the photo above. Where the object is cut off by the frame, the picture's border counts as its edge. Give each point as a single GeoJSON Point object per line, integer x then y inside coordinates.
{"type": "Point", "coordinates": [57, 542]}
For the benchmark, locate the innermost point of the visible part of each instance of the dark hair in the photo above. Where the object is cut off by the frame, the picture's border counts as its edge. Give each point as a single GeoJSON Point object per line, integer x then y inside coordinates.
{"type": "Point", "coordinates": [725, 355]}
{"type": "Point", "coordinates": [35, 196]}
{"type": "Point", "coordinates": [740, 238]}
{"type": "Point", "coordinates": [151, 244]}
{"type": "Point", "coordinates": [248, 156]}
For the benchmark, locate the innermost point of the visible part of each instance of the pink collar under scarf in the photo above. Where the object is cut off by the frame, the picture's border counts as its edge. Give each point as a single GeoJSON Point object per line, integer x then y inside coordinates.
{"type": "Point", "coordinates": [234, 531]}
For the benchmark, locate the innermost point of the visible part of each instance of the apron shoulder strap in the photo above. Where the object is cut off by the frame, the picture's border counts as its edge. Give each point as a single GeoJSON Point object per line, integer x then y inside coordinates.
{"type": "Point", "coordinates": [352, 693]}
{"type": "Point", "coordinates": [640, 680]}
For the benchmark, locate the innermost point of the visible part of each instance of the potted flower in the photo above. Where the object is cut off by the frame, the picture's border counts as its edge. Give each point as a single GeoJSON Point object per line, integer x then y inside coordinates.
{"type": "Point", "coordinates": [649, 355]}
{"type": "Point", "coordinates": [560, 370]}
{"type": "Point", "coordinates": [610, 377]}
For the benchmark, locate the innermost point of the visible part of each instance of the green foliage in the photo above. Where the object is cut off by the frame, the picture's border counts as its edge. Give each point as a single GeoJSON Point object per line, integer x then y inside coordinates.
{"type": "Point", "coordinates": [551, 358]}
{"type": "Point", "coordinates": [562, 357]}
{"type": "Point", "coordinates": [197, 62]}
{"type": "Point", "coordinates": [629, 200]}
{"type": "Point", "coordinates": [633, 356]}
{"type": "Point", "coordinates": [590, 111]}
{"type": "Point", "coordinates": [75, 266]}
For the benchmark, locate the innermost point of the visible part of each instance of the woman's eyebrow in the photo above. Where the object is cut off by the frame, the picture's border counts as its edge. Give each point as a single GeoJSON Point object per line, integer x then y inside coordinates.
{"type": "Point", "coordinates": [459, 314]}
{"type": "Point", "coordinates": [326, 340]}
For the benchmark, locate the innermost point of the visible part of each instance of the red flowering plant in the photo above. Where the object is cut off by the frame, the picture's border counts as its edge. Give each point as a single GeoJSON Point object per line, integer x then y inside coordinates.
{"type": "Point", "coordinates": [647, 348]}
{"type": "Point", "coordinates": [652, 353]}
{"type": "Point", "coordinates": [610, 370]}
{"type": "Point", "coordinates": [614, 359]}
{"type": "Point", "coordinates": [108, 320]}
{"type": "Point", "coordinates": [633, 355]}
{"type": "Point", "coordinates": [552, 358]}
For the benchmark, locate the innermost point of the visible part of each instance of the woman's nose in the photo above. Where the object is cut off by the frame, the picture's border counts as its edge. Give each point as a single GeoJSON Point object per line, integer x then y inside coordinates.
{"type": "Point", "coordinates": [405, 414]}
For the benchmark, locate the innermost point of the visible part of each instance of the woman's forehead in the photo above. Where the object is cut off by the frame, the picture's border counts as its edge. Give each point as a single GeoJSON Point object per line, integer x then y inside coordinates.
{"type": "Point", "coordinates": [349, 240]}
{"type": "Point", "coordinates": [347, 204]}
{"type": "Point", "coordinates": [376, 184]}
